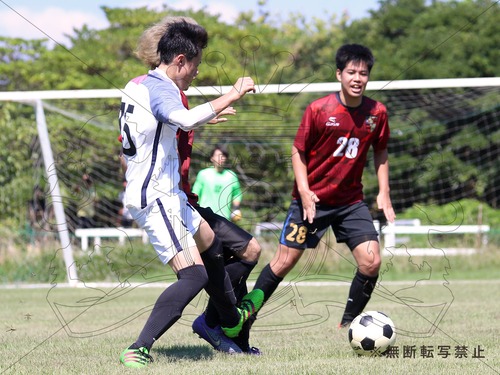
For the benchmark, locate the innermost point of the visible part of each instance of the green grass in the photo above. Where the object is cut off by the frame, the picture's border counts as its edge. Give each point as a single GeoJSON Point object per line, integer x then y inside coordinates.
{"type": "Point", "coordinates": [434, 301]}
{"type": "Point", "coordinates": [137, 262]}
{"type": "Point", "coordinates": [49, 332]}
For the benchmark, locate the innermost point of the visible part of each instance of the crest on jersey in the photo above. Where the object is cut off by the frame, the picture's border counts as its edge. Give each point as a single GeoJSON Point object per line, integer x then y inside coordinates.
{"type": "Point", "coordinates": [371, 122]}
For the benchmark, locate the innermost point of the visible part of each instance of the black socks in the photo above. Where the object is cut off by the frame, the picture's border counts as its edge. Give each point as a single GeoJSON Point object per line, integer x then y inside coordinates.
{"type": "Point", "coordinates": [238, 271]}
{"type": "Point", "coordinates": [359, 294]}
{"type": "Point", "coordinates": [170, 304]}
{"type": "Point", "coordinates": [219, 286]}
{"type": "Point", "coordinates": [267, 282]}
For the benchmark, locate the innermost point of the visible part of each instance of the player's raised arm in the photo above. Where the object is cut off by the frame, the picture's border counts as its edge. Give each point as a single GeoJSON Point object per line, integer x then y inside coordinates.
{"type": "Point", "coordinates": [242, 86]}
{"type": "Point", "coordinates": [205, 113]}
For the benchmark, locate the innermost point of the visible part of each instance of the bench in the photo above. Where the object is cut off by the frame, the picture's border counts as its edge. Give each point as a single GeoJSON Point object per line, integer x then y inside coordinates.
{"type": "Point", "coordinates": [390, 231]}
{"type": "Point", "coordinates": [392, 235]}
{"type": "Point", "coordinates": [97, 233]}
{"type": "Point", "coordinates": [267, 226]}
{"type": "Point", "coordinates": [278, 225]}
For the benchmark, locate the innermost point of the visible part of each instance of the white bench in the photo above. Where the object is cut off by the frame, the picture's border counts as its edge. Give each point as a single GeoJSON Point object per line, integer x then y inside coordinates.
{"type": "Point", "coordinates": [278, 225]}
{"type": "Point", "coordinates": [97, 233]}
{"type": "Point", "coordinates": [408, 227]}
{"type": "Point", "coordinates": [267, 226]}
{"type": "Point", "coordinates": [390, 231]}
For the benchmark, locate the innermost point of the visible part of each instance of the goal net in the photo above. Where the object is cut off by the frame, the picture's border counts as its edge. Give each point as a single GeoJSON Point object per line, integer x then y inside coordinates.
{"type": "Point", "coordinates": [444, 147]}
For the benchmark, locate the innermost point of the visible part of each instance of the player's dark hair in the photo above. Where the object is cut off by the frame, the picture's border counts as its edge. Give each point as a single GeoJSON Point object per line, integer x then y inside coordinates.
{"type": "Point", "coordinates": [355, 53]}
{"type": "Point", "coordinates": [182, 38]}
{"type": "Point", "coordinates": [222, 149]}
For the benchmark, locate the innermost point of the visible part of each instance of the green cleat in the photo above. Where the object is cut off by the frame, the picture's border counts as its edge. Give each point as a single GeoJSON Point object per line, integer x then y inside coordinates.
{"type": "Point", "coordinates": [249, 305]}
{"type": "Point", "coordinates": [252, 302]}
{"type": "Point", "coordinates": [135, 358]}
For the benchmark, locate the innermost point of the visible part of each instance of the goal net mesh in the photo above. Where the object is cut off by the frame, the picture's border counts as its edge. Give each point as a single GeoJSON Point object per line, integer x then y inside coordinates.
{"type": "Point", "coordinates": [444, 147]}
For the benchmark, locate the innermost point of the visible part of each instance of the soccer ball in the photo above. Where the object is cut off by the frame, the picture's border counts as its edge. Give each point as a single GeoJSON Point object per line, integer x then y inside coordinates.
{"type": "Point", "coordinates": [236, 216]}
{"type": "Point", "coordinates": [371, 333]}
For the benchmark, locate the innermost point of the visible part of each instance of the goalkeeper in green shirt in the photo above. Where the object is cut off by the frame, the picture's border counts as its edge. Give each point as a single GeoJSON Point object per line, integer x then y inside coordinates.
{"type": "Point", "coordinates": [218, 187]}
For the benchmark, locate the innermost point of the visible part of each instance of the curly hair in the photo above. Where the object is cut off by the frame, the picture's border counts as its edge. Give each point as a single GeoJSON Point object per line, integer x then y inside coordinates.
{"type": "Point", "coordinates": [147, 48]}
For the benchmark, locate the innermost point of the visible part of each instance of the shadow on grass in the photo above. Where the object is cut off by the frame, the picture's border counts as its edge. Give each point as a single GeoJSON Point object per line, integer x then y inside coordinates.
{"type": "Point", "coordinates": [179, 352]}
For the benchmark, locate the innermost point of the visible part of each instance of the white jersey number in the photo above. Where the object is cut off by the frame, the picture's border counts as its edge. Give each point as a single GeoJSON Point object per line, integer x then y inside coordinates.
{"type": "Point", "coordinates": [348, 147]}
{"type": "Point", "coordinates": [125, 130]}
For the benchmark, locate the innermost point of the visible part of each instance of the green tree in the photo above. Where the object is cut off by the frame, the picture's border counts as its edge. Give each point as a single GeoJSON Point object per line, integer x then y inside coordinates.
{"type": "Point", "coordinates": [445, 39]}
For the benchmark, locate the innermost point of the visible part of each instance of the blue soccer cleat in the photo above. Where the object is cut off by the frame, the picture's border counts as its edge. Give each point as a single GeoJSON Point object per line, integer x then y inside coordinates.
{"type": "Point", "coordinates": [214, 336]}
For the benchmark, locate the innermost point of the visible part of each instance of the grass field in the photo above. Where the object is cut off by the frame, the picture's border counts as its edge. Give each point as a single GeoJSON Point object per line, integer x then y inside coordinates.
{"type": "Point", "coordinates": [435, 302]}
{"type": "Point", "coordinates": [69, 330]}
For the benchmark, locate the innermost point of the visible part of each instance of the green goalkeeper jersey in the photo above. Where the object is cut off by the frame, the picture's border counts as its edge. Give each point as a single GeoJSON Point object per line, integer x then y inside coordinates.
{"type": "Point", "coordinates": [217, 190]}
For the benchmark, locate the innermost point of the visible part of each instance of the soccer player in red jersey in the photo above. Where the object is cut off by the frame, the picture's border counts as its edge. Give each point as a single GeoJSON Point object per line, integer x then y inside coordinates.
{"type": "Point", "coordinates": [328, 157]}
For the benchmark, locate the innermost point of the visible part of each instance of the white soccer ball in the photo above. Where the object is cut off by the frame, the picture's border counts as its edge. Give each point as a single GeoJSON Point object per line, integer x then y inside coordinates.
{"type": "Point", "coordinates": [236, 216]}
{"type": "Point", "coordinates": [371, 333]}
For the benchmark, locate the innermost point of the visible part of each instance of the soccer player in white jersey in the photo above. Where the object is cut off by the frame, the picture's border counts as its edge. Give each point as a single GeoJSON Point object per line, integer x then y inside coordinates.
{"type": "Point", "coordinates": [241, 249]}
{"type": "Point", "coordinates": [151, 112]}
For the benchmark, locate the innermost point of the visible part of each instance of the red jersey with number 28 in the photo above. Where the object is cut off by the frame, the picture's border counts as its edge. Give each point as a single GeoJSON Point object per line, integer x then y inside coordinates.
{"type": "Point", "coordinates": [335, 140]}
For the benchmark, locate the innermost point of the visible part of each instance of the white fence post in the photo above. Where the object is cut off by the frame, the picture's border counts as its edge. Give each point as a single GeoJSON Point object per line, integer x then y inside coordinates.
{"type": "Point", "coordinates": [389, 236]}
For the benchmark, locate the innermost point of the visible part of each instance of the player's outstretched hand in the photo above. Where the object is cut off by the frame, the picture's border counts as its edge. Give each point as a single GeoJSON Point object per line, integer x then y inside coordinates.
{"type": "Point", "coordinates": [243, 85]}
{"type": "Point", "coordinates": [229, 111]}
{"type": "Point", "coordinates": [239, 89]}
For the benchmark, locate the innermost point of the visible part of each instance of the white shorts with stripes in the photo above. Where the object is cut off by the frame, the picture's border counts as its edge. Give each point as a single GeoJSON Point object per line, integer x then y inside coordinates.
{"type": "Point", "coordinates": [170, 222]}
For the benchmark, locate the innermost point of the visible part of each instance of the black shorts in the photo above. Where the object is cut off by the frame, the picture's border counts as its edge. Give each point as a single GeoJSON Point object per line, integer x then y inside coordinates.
{"type": "Point", "coordinates": [233, 238]}
{"type": "Point", "coordinates": [352, 225]}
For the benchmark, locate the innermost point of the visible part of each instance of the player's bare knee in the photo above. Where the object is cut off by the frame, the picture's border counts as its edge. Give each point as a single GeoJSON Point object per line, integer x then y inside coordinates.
{"type": "Point", "coordinates": [251, 253]}
{"type": "Point", "coordinates": [374, 267]}
{"type": "Point", "coordinates": [370, 267]}
{"type": "Point", "coordinates": [254, 250]}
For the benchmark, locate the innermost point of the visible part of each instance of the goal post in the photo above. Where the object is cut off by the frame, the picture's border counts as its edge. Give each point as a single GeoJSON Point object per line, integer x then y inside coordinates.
{"type": "Point", "coordinates": [294, 88]}
{"type": "Point", "coordinates": [61, 223]}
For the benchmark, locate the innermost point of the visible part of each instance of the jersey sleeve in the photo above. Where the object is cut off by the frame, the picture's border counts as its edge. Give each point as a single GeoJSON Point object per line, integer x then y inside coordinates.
{"type": "Point", "coordinates": [188, 119]}
{"type": "Point", "coordinates": [304, 131]}
{"type": "Point", "coordinates": [165, 99]}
